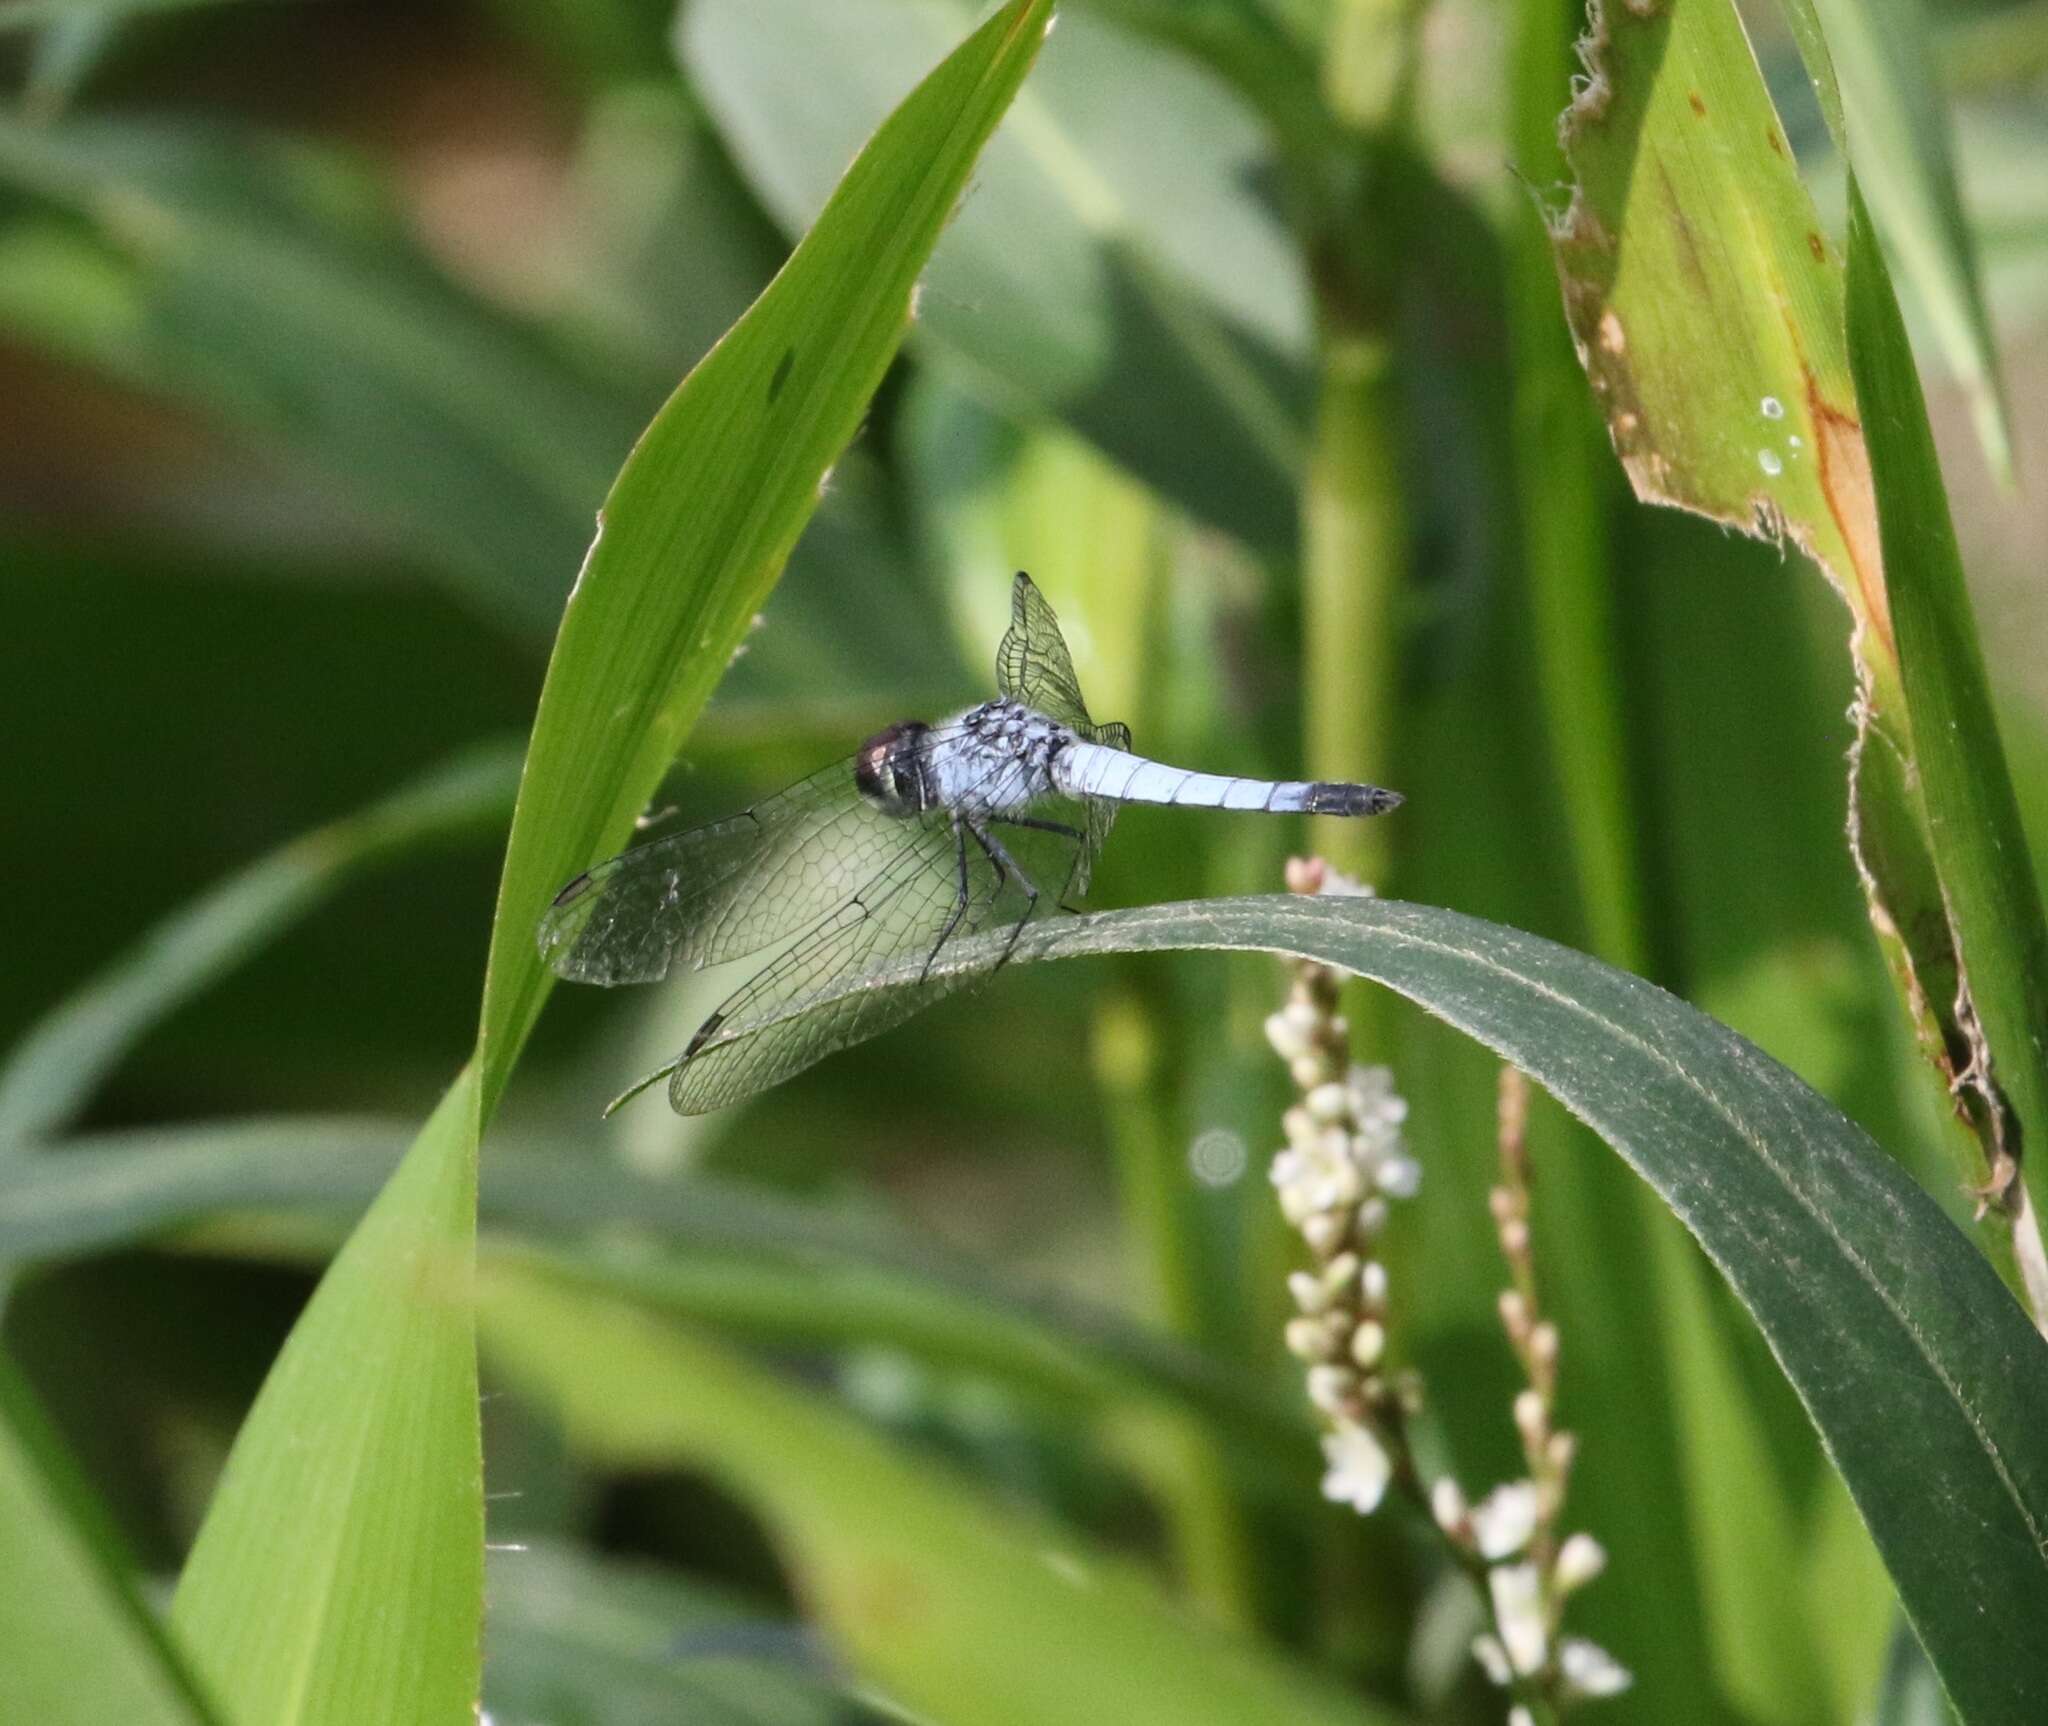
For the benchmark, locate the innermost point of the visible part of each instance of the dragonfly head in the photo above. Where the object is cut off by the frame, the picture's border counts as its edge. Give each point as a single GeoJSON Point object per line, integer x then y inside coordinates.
{"type": "Point", "coordinates": [891, 769]}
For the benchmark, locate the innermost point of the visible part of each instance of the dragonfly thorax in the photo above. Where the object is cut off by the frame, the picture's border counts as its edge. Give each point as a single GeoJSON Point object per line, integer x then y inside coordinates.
{"type": "Point", "coordinates": [994, 759]}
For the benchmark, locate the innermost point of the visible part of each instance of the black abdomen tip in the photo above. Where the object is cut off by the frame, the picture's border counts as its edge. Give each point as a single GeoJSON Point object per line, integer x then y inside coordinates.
{"type": "Point", "coordinates": [1326, 798]}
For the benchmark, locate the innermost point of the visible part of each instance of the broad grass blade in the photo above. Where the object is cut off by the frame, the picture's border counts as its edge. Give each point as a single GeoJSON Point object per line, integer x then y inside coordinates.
{"type": "Point", "coordinates": [923, 1589]}
{"type": "Point", "coordinates": [1925, 1380]}
{"type": "Point", "coordinates": [82, 1648]}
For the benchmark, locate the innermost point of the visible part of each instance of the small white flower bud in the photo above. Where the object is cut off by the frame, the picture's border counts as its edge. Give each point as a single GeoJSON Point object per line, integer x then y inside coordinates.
{"type": "Point", "coordinates": [1331, 1388]}
{"type": "Point", "coordinates": [1359, 1468]}
{"type": "Point", "coordinates": [1306, 1071]}
{"type": "Point", "coordinates": [1305, 874]}
{"type": "Point", "coordinates": [1303, 1014]}
{"type": "Point", "coordinates": [1368, 1343]}
{"type": "Point", "coordinates": [1579, 1560]}
{"type": "Point", "coordinates": [1514, 1314]}
{"type": "Point", "coordinates": [1307, 1340]}
{"type": "Point", "coordinates": [1589, 1670]}
{"type": "Point", "coordinates": [1286, 1037]}
{"type": "Point", "coordinates": [1520, 1716]}
{"type": "Point", "coordinates": [1514, 1239]}
{"type": "Point", "coordinates": [1499, 1200]}
{"type": "Point", "coordinates": [1504, 1520]}
{"type": "Point", "coordinates": [1327, 1104]}
{"type": "Point", "coordinates": [1559, 1451]}
{"type": "Point", "coordinates": [1308, 1291]}
{"type": "Point", "coordinates": [1340, 1028]}
{"type": "Point", "coordinates": [1372, 1284]}
{"type": "Point", "coordinates": [1372, 1217]}
{"type": "Point", "coordinates": [1399, 1177]}
{"type": "Point", "coordinates": [1532, 1419]}
{"type": "Point", "coordinates": [1494, 1659]}
{"type": "Point", "coordinates": [1447, 1505]}
{"type": "Point", "coordinates": [1518, 1609]}
{"type": "Point", "coordinates": [1325, 1231]}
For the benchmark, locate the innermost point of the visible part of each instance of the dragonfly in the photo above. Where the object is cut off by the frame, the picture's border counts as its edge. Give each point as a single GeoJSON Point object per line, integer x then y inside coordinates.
{"type": "Point", "coordinates": [883, 867]}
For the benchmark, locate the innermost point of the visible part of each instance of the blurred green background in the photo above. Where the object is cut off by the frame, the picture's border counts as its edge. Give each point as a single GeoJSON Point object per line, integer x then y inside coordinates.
{"type": "Point", "coordinates": [323, 328]}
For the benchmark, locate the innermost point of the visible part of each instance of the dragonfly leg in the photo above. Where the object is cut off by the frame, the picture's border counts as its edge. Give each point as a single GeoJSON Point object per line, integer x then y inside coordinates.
{"type": "Point", "coordinates": [1065, 832]}
{"type": "Point", "coordinates": [1059, 827]}
{"type": "Point", "coordinates": [1006, 867]}
{"type": "Point", "coordinates": [959, 902]}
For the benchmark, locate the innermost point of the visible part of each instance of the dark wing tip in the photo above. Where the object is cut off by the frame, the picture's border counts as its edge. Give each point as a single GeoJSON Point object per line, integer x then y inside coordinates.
{"type": "Point", "coordinates": [571, 893]}
{"type": "Point", "coordinates": [1326, 798]}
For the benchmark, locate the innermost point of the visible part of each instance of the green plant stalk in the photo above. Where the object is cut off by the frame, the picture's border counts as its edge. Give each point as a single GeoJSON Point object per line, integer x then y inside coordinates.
{"type": "Point", "coordinates": [1561, 460]}
{"type": "Point", "coordinates": [1212, 1545]}
{"type": "Point", "coordinates": [1354, 524]}
{"type": "Point", "coordinates": [1354, 567]}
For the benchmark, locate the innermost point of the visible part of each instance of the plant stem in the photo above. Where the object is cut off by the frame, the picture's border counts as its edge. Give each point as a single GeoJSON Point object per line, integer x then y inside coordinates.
{"type": "Point", "coordinates": [1211, 1542]}
{"type": "Point", "coordinates": [1354, 551]}
{"type": "Point", "coordinates": [1354, 522]}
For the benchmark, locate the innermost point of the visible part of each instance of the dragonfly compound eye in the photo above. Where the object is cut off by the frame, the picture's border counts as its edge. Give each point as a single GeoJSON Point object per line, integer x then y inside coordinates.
{"type": "Point", "coordinates": [887, 769]}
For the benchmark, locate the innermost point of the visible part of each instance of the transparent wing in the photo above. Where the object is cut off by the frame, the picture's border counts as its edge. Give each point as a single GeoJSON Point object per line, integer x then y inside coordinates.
{"type": "Point", "coordinates": [1032, 662]}
{"type": "Point", "coordinates": [1033, 666]}
{"type": "Point", "coordinates": [948, 882]}
{"type": "Point", "coordinates": [722, 891]}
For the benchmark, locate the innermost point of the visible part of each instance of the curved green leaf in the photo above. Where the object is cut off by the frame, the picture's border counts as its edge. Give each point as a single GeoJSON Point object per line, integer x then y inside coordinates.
{"type": "Point", "coordinates": [1973, 820]}
{"type": "Point", "coordinates": [1925, 1380]}
{"type": "Point", "coordinates": [1891, 122]}
{"type": "Point", "coordinates": [958, 1612]}
{"type": "Point", "coordinates": [1722, 367]}
{"type": "Point", "coordinates": [745, 1258]}
{"type": "Point", "coordinates": [703, 515]}
{"type": "Point", "coordinates": [268, 284]}
{"type": "Point", "coordinates": [49, 1074]}
{"type": "Point", "coordinates": [81, 1648]}
{"type": "Point", "coordinates": [606, 1643]}
{"type": "Point", "coordinates": [1159, 308]}
{"type": "Point", "coordinates": [338, 1576]}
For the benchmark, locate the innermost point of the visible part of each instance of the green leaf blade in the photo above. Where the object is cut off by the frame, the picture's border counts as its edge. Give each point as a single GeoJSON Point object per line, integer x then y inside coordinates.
{"type": "Point", "coordinates": [1987, 872]}
{"type": "Point", "coordinates": [1928, 1386]}
{"type": "Point", "coordinates": [81, 1647]}
{"type": "Point", "coordinates": [1162, 312]}
{"type": "Point", "coordinates": [925, 1589]}
{"type": "Point", "coordinates": [1709, 312]}
{"type": "Point", "coordinates": [268, 285]}
{"type": "Point", "coordinates": [47, 1076]}
{"type": "Point", "coordinates": [700, 520]}
{"type": "Point", "coordinates": [1898, 143]}
{"type": "Point", "coordinates": [748, 1260]}
{"type": "Point", "coordinates": [338, 1576]}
